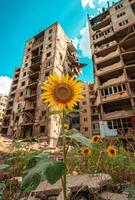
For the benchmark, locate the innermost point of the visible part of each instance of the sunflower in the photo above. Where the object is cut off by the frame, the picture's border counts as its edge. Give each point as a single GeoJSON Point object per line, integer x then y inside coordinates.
{"type": "Point", "coordinates": [63, 92]}
{"type": "Point", "coordinates": [96, 138]}
{"type": "Point", "coordinates": [66, 126]}
{"type": "Point", "coordinates": [79, 151]}
{"type": "Point", "coordinates": [87, 152]}
{"type": "Point", "coordinates": [112, 151]}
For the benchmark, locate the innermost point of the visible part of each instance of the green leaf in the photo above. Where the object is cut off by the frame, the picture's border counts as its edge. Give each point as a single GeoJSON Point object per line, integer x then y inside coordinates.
{"type": "Point", "coordinates": [1, 195]}
{"type": "Point", "coordinates": [3, 166]}
{"type": "Point", "coordinates": [43, 170]}
{"type": "Point", "coordinates": [68, 111]}
{"type": "Point", "coordinates": [78, 137]}
{"type": "Point", "coordinates": [30, 182]}
{"type": "Point", "coordinates": [35, 158]}
{"type": "Point", "coordinates": [54, 112]}
{"type": "Point", "coordinates": [55, 171]}
{"type": "Point", "coordinates": [2, 186]}
{"type": "Point", "coordinates": [130, 190]}
{"type": "Point", "coordinates": [9, 160]}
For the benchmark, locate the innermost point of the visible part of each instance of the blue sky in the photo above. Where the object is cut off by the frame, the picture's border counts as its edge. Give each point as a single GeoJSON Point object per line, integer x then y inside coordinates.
{"type": "Point", "coordinates": [22, 19]}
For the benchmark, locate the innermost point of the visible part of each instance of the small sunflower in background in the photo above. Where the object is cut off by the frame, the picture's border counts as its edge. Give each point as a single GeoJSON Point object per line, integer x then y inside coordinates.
{"type": "Point", "coordinates": [86, 152]}
{"type": "Point", "coordinates": [112, 151]}
{"type": "Point", "coordinates": [79, 151]}
{"type": "Point", "coordinates": [96, 138]}
{"type": "Point", "coordinates": [66, 126]}
{"type": "Point", "coordinates": [62, 92]}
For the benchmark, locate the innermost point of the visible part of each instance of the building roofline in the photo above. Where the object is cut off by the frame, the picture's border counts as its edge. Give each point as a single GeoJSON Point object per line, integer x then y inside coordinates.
{"type": "Point", "coordinates": [106, 10]}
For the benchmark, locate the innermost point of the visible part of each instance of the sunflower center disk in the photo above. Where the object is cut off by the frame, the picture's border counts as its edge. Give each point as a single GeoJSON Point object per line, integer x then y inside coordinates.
{"type": "Point", "coordinates": [63, 93]}
{"type": "Point", "coordinates": [112, 151]}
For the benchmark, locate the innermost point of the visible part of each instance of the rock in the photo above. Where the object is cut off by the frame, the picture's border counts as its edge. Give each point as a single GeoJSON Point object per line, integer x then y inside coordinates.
{"type": "Point", "coordinates": [113, 196]}
{"type": "Point", "coordinates": [52, 198]}
{"type": "Point", "coordinates": [78, 182]}
{"type": "Point", "coordinates": [61, 196]}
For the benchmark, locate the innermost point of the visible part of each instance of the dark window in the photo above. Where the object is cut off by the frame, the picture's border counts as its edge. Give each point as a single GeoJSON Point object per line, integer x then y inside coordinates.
{"type": "Point", "coordinates": [21, 94]}
{"type": "Point", "coordinates": [44, 113]}
{"type": "Point", "coordinates": [60, 56]}
{"type": "Point", "coordinates": [47, 74]}
{"type": "Point", "coordinates": [124, 87]}
{"type": "Point", "coordinates": [84, 102]}
{"type": "Point", "coordinates": [28, 49]}
{"type": "Point", "coordinates": [121, 14]}
{"type": "Point", "coordinates": [115, 89]}
{"type": "Point", "coordinates": [42, 129]}
{"type": "Point", "coordinates": [123, 22]}
{"type": "Point", "coordinates": [26, 64]}
{"type": "Point", "coordinates": [27, 57]}
{"type": "Point", "coordinates": [110, 125]}
{"type": "Point", "coordinates": [23, 83]}
{"type": "Point", "coordinates": [24, 74]}
{"type": "Point", "coordinates": [48, 54]}
{"type": "Point", "coordinates": [106, 91]}
{"type": "Point", "coordinates": [119, 88]}
{"type": "Point", "coordinates": [110, 90]}
{"type": "Point", "coordinates": [50, 31]}
{"type": "Point", "coordinates": [50, 38]}
{"type": "Point", "coordinates": [118, 6]}
{"type": "Point", "coordinates": [86, 128]}
{"type": "Point", "coordinates": [48, 64]}
{"type": "Point", "coordinates": [102, 92]}
{"type": "Point", "coordinates": [49, 46]}
{"type": "Point", "coordinates": [85, 120]}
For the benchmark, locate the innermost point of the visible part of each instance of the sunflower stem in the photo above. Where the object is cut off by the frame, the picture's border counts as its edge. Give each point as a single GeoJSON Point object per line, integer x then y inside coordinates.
{"type": "Point", "coordinates": [64, 185]}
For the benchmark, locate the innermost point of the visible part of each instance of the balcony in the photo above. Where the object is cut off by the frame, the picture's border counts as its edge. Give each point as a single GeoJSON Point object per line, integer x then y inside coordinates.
{"type": "Point", "coordinates": [113, 97]}
{"type": "Point", "coordinates": [103, 34]}
{"type": "Point", "coordinates": [118, 114]}
{"type": "Point", "coordinates": [106, 21]}
{"type": "Point", "coordinates": [38, 42]}
{"type": "Point", "coordinates": [36, 60]}
{"type": "Point", "coordinates": [105, 47]}
{"type": "Point", "coordinates": [29, 109]}
{"type": "Point", "coordinates": [31, 96]}
{"type": "Point", "coordinates": [33, 75]}
{"type": "Point", "coordinates": [113, 80]}
{"type": "Point", "coordinates": [36, 66]}
{"type": "Point", "coordinates": [32, 84]}
{"type": "Point", "coordinates": [110, 68]}
{"type": "Point", "coordinates": [107, 55]}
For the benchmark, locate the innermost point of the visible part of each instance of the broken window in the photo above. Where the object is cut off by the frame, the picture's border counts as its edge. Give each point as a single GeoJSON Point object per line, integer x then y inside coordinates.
{"type": "Point", "coordinates": [48, 54]}
{"type": "Point", "coordinates": [86, 129]}
{"type": "Point", "coordinates": [42, 129]}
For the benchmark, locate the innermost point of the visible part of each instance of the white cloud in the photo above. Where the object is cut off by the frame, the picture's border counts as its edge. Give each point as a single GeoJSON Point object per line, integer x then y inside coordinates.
{"type": "Point", "coordinates": [89, 3]}
{"type": "Point", "coordinates": [101, 1]}
{"type": "Point", "coordinates": [84, 44]}
{"type": "Point", "coordinates": [5, 83]}
{"type": "Point", "coordinates": [75, 42]}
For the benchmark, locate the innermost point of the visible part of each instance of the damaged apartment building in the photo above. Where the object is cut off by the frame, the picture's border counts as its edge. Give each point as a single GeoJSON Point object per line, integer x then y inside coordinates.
{"type": "Point", "coordinates": [48, 52]}
{"type": "Point", "coordinates": [112, 36]}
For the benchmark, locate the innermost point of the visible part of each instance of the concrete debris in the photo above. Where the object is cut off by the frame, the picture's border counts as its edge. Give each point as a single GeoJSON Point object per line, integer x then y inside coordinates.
{"type": "Point", "coordinates": [113, 196]}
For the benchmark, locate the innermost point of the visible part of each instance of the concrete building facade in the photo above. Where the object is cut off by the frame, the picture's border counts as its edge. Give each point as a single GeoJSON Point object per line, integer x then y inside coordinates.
{"type": "Point", "coordinates": [112, 36]}
{"type": "Point", "coordinates": [89, 115]}
{"type": "Point", "coordinates": [46, 53]}
{"type": "Point", "coordinates": [3, 102]}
